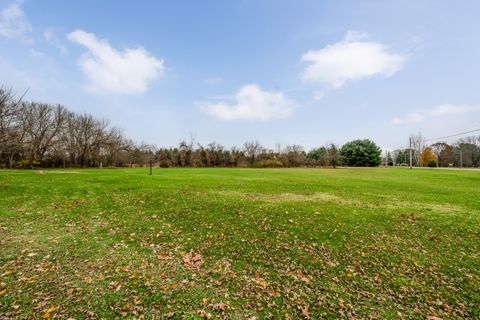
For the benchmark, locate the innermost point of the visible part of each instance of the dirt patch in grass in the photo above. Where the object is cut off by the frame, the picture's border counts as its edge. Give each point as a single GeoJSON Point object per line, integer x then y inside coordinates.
{"type": "Point", "coordinates": [296, 197]}
{"type": "Point", "coordinates": [285, 197]}
{"type": "Point", "coordinates": [437, 207]}
{"type": "Point", "coordinates": [391, 203]}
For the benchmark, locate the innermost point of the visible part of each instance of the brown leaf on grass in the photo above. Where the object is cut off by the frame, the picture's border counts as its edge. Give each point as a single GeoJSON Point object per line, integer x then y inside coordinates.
{"type": "Point", "coordinates": [303, 277]}
{"type": "Point", "coordinates": [192, 260]}
{"type": "Point", "coordinates": [114, 286]}
{"type": "Point", "coordinates": [434, 318]}
{"type": "Point", "coordinates": [162, 256]}
{"type": "Point", "coordinates": [220, 306]}
{"type": "Point", "coordinates": [204, 315]}
{"type": "Point", "coordinates": [305, 312]}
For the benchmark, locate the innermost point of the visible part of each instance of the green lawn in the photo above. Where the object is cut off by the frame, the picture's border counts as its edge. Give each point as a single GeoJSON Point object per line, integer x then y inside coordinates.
{"type": "Point", "coordinates": [240, 243]}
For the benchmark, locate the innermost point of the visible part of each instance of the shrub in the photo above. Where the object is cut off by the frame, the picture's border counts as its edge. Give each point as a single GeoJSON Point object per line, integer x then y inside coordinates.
{"type": "Point", "coordinates": [270, 163]}
{"type": "Point", "coordinates": [27, 164]}
{"type": "Point", "coordinates": [361, 153]}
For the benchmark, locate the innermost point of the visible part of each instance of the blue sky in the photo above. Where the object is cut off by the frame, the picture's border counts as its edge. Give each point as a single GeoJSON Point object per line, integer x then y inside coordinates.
{"type": "Point", "coordinates": [303, 72]}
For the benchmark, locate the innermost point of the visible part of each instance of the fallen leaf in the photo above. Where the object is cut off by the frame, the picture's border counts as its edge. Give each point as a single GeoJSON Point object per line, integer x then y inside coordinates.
{"type": "Point", "coordinates": [305, 312]}
{"type": "Point", "coordinates": [48, 314]}
{"type": "Point", "coordinates": [303, 277]}
{"type": "Point", "coordinates": [219, 306]}
{"type": "Point", "coordinates": [192, 260]}
{"type": "Point", "coordinates": [263, 284]}
{"type": "Point", "coordinates": [205, 315]}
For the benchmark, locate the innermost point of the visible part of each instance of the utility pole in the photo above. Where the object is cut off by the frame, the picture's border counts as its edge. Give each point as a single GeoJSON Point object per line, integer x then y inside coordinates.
{"type": "Point", "coordinates": [410, 141]}
{"type": "Point", "coordinates": [461, 159]}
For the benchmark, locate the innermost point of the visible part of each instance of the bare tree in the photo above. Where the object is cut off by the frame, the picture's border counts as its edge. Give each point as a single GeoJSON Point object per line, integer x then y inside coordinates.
{"type": "Point", "coordinates": [114, 142]}
{"type": "Point", "coordinates": [10, 133]}
{"type": "Point", "coordinates": [252, 150]}
{"type": "Point", "coordinates": [418, 144]}
{"type": "Point", "coordinates": [235, 157]}
{"type": "Point", "coordinates": [42, 124]}
{"type": "Point", "coordinates": [90, 134]}
{"type": "Point", "coordinates": [333, 155]}
{"type": "Point", "coordinates": [292, 156]}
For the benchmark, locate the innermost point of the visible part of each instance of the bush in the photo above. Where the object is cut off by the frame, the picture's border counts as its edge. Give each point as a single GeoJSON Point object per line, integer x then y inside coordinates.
{"type": "Point", "coordinates": [26, 164]}
{"type": "Point", "coordinates": [271, 163]}
{"type": "Point", "coordinates": [432, 163]}
{"type": "Point", "coordinates": [164, 164]}
{"type": "Point", "coordinates": [361, 153]}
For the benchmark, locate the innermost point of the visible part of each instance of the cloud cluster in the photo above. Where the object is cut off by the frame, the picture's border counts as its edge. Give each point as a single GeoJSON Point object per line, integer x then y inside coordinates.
{"type": "Point", "coordinates": [132, 70]}
{"type": "Point", "coordinates": [13, 21]}
{"type": "Point", "coordinates": [352, 58]}
{"type": "Point", "coordinates": [251, 103]}
{"type": "Point", "coordinates": [111, 71]}
{"type": "Point", "coordinates": [438, 111]}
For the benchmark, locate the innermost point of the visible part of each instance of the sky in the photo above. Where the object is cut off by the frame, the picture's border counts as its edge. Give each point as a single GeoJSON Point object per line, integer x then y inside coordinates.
{"type": "Point", "coordinates": [277, 71]}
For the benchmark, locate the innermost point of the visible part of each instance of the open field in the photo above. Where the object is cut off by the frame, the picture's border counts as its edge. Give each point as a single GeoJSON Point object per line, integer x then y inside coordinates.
{"type": "Point", "coordinates": [240, 243]}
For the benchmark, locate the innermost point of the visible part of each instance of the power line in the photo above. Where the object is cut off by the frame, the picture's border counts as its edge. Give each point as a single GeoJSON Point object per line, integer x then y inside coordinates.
{"type": "Point", "coordinates": [409, 148]}
{"type": "Point", "coordinates": [453, 135]}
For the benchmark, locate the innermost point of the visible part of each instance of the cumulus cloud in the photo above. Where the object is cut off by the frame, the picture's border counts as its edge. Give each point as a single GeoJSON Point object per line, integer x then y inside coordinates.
{"type": "Point", "coordinates": [112, 71]}
{"type": "Point", "coordinates": [352, 58]}
{"type": "Point", "coordinates": [251, 103]}
{"type": "Point", "coordinates": [438, 111]}
{"type": "Point", "coordinates": [13, 21]}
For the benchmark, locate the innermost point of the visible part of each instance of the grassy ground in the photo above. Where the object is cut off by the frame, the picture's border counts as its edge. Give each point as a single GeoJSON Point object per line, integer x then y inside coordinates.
{"type": "Point", "coordinates": [240, 243]}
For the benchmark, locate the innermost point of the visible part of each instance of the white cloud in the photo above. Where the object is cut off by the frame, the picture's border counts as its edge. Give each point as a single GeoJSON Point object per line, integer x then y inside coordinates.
{"type": "Point", "coordinates": [251, 103]}
{"type": "Point", "coordinates": [13, 21]}
{"type": "Point", "coordinates": [51, 38]}
{"type": "Point", "coordinates": [37, 54]}
{"type": "Point", "coordinates": [438, 111]}
{"type": "Point", "coordinates": [111, 71]}
{"type": "Point", "coordinates": [352, 58]}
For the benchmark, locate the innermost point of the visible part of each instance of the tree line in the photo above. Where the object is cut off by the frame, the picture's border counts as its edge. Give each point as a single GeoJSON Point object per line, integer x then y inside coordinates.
{"type": "Point", "coordinates": [464, 152]}
{"type": "Point", "coordinates": [35, 134]}
{"type": "Point", "coordinates": [40, 134]}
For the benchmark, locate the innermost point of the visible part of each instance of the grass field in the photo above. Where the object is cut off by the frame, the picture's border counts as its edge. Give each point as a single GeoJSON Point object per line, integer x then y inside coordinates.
{"type": "Point", "coordinates": [240, 243]}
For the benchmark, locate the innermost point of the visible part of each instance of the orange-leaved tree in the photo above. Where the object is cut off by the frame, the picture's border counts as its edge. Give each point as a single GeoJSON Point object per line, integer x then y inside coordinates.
{"type": "Point", "coordinates": [427, 156]}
